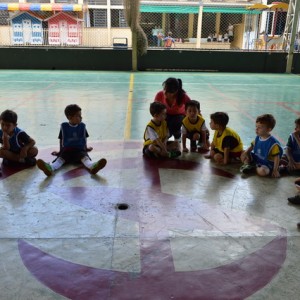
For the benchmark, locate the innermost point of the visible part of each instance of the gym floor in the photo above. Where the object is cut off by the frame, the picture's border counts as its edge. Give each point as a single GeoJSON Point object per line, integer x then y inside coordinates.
{"type": "Point", "coordinates": [144, 229]}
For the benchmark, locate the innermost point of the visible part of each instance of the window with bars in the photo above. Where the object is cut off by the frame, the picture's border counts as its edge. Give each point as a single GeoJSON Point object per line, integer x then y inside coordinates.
{"type": "Point", "coordinates": [275, 22]}
{"type": "Point", "coordinates": [4, 16]}
{"type": "Point", "coordinates": [98, 17]}
{"type": "Point", "coordinates": [118, 18]}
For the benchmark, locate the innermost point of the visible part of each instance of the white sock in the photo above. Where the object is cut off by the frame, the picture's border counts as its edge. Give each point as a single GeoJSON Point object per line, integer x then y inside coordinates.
{"type": "Point", "coordinates": [57, 163]}
{"type": "Point", "coordinates": [87, 162]}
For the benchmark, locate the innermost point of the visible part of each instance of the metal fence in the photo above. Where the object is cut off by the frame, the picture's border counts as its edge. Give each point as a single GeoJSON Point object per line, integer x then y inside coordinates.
{"type": "Point", "coordinates": [215, 24]}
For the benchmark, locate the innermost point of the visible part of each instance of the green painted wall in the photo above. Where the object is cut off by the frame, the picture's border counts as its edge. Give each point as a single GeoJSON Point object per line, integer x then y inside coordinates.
{"type": "Point", "coordinates": [108, 59]}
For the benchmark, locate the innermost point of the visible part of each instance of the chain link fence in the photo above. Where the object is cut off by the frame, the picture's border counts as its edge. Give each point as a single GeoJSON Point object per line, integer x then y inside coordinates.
{"type": "Point", "coordinates": [181, 24]}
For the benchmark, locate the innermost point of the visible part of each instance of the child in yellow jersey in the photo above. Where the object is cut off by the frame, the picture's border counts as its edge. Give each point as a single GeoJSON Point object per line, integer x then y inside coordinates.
{"type": "Point", "coordinates": [157, 133]}
{"type": "Point", "coordinates": [226, 143]}
{"type": "Point", "coordinates": [193, 128]}
{"type": "Point", "coordinates": [265, 151]}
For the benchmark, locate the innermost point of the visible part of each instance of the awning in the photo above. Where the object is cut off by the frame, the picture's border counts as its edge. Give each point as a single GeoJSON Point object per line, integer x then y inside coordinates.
{"type": "Point", "coordinates": [182, 9]}
{"type": "Point", "coordinates": [274, 6]}
{"type": "Point", "coordinates": [40, 7]}
{"type": "Point", "coordinates": [279, 5]}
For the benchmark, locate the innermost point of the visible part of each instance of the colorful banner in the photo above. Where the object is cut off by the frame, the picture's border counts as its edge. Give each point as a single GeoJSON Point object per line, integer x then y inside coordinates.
{"type": "Point", "coordinates": [40, 7]}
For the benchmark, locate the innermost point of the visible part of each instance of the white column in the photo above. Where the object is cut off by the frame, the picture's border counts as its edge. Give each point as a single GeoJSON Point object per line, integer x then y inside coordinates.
{"type": "Point", "coordinates": [290, 56]}
{"type": "Point", "coordinates": [199, 25]}
{"type": "Point", "coordinates": [109, 37]}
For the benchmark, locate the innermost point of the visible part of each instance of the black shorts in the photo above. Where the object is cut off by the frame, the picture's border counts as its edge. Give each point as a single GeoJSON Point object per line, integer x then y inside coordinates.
{"type": "Point", "coordinates": [174, 123]}
{"type": "Point", "coordinates": [190, 135]}
{"type": "Point", "coordinates": [72, 156]}
{"type": "Point", "coordinates": [148, 153]}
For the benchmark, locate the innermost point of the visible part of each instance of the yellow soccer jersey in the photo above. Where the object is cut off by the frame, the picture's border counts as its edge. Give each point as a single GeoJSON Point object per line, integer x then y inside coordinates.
{"type": "Point", "coordinates": [236, 144]}
{"type": "Point", "coordinates": [190, 127]}
{"type": "Point", "coordinates": [153, 132]}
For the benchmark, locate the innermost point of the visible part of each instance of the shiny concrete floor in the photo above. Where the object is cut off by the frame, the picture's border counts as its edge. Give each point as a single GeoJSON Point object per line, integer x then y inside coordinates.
{"type": "Point", "coordinates": [193, 230]}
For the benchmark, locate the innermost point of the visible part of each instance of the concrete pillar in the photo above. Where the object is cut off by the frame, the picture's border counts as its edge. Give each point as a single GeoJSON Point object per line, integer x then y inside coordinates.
{"type": "Point", "coordinates": [199, 26]}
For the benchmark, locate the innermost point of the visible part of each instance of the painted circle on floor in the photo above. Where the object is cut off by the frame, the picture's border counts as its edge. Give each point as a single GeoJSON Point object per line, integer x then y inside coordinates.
{"type": "Point", "coordinates": [187, 244]}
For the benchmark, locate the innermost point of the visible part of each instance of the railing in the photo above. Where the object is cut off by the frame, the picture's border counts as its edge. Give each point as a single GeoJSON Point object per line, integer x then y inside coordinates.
{"type": "Point", "coordinates": [222, 26]}
{"type": "Point", "coordinates": [103, 38]}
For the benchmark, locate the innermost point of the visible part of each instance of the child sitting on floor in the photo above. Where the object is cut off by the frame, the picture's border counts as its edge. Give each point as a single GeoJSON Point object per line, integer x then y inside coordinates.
{"type": "Point", "coordinates": [265, 151]}
{"type": "Point", "coordinates": [194, 128]}
{"type": "Point", "coordinates": [226, 143]}
{"type": "Point", "coordinates": [291, 158]}
{"type": "Point", "coordinates": [73, 147]}
{"type": "Point", "coordinates": [17, 145]}
{"type": "Point", "coordinates": [296, 199]}
{"type": "Point", "coordinates": [157, 133]}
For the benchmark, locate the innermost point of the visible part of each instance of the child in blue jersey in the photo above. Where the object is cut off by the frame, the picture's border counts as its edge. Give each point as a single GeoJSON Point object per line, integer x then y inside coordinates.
{"type": "Point", "coordinates": [291, 157]}
{"type": "Point", "coordinates": [194, 128]}
{"type": "Point", "coordinates": [73, 145]}
{"type": "Point", "coordinates": [156, 135]}
{"type": "Point", "coordinates": [296, 199]}
{"type": "Point", "coordinates": [17, 145]}
{"type": "Point", "coordinates": [227, 144]}
{"type": "Point", "coordinates": [265, 151]}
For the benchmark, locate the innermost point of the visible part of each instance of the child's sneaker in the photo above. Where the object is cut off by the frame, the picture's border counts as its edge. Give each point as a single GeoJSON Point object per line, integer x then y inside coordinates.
{"type": "Point", "coordinates": [175, 153]}
{"type": "Point", "coordinates": [294, 200]}
{"type": "Point", "coordinates": [193, 146]}
{"type": "Point", "coordinates": [46, 168]}
{"type": "Point", "coordinates": [5, 162]}
{"type": "Point", "coordinates": [202, 149]}
{"type": "Point", "coordinates": [284, 160]}
{"type": "Point", "coordinates": [30, 161]}
{"type": "Point", "coordinates": [97, 166]}
{"type": "Point", "coordinates": [247, 169]}
{"type": "Point", "coordinates": [283, 170]}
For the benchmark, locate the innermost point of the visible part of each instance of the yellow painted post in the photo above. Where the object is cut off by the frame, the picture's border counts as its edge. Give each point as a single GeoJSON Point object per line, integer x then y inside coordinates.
{"type": "Point", "coordinates": [191, 26]}
{"type": "Point", "coordinates": [218, 23]}
{"type": "Point", "coordinates": [163, 23]}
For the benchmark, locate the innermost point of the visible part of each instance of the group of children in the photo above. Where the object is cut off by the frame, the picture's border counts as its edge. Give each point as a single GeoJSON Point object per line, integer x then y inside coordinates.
{"type": "Point", "coordinates": [19, 147]}
{"type": "Point", "coordinates": [264, 156]}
